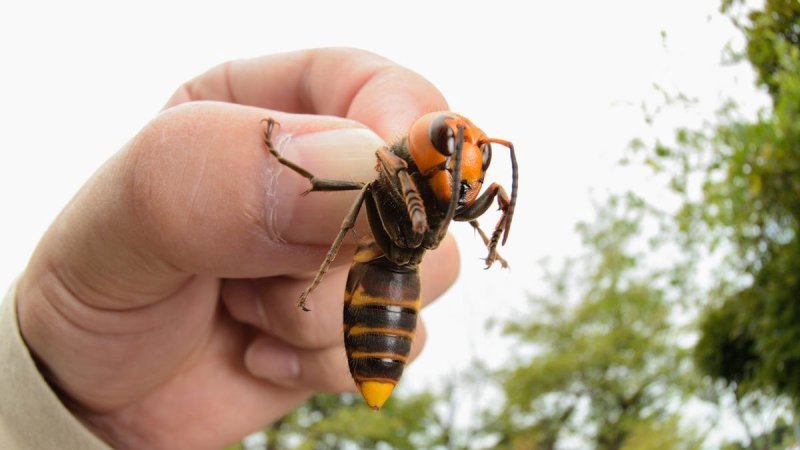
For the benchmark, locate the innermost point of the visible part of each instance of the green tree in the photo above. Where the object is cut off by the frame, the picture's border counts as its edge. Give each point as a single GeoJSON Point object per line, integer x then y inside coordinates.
{"type": "Point", "coordinates": [748, 172]}
{"type": "Point", "coordinates": [780, 436]}
{"type": "Point", "coordinates": [602, 364]}
{"type": "Point", "coordinates": [342, 421]}
{"type": "Point", "coordinates": [421, 420]}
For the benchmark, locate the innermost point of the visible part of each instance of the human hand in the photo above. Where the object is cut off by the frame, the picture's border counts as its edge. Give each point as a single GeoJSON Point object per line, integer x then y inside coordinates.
{"type": "Point", "coordinates": [162, 301]}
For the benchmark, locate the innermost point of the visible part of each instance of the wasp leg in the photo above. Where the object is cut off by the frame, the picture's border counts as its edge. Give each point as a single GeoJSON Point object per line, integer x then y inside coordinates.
{"type": "Point", "coordinates": [509, 210]}
{"type": "Point", "coordinates": [347, 225]}
{"type": "Point", "coordinates": [480, 206]}
{"type": "Point", "coordinates": [317, 184]}
{"type": "Point", "coordinates": [487, 241]}
{"type": "Point", "coordinates": [397, 171]}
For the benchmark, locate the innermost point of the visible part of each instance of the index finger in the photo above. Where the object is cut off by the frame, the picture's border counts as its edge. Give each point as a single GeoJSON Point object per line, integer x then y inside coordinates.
{"type": "Point", "coordinates": [342, 82]}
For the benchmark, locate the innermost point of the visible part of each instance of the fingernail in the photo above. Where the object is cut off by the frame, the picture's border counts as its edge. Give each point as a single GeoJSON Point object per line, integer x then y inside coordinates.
{"type": "Point", "coordinates": [342, 153]}
{"type": "Point", "coordinates": [272, 361]}
{"type": "Point", "coordinates": [345, 154]}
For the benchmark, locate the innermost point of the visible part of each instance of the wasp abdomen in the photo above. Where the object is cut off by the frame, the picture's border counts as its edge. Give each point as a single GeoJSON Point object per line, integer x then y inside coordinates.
{"type": "Point", "coordinates": [380, 317]}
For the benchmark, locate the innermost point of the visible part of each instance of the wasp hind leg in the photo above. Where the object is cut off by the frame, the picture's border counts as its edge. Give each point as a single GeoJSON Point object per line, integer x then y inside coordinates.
{"type": "Point", "coordinates": [317, 184]}
{"type": "Point", "coordinates": [347, 225]}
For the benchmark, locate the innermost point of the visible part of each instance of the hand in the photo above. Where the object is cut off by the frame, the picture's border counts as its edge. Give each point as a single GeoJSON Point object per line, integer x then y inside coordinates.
{"type": "Point", "coordinates": [162, 301]}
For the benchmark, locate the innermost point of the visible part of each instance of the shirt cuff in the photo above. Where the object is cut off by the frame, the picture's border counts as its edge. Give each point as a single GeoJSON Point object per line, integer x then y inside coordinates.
{"type": "Point", "coordinates": [31, 415]}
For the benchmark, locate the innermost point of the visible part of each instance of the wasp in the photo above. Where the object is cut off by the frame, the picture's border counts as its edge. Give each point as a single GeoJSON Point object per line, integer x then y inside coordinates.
{"type": "Point", "coordinates": [425, 180]}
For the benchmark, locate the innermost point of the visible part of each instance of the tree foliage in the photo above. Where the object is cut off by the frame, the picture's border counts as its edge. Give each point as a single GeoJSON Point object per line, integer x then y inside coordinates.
{"type": "Point", "coordinates": [749, 172]}
{"type": "Point", "coordinates": [739, 180]}
{"type": "Point", "coordinates": [771, 34]}
{"type": "Point", "coordinates": [604, 368]}
{"type": "Point", "coordinates": [342, 421]}
{"type": "Point", "coordinates": [780, 436]}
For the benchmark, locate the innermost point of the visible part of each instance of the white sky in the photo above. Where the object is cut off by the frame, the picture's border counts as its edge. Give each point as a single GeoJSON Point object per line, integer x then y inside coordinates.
{"type": "Point", "coordinates": [563, 80]}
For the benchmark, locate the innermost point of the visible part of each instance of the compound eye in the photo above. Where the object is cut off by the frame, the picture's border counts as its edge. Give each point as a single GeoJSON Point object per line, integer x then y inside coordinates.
{"type": "Point", "coordinates": [487, 155]}
{"type": "Point", "coordinates": [442, 136]}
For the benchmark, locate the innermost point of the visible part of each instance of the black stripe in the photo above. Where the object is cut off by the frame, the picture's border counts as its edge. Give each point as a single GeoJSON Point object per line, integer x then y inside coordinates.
{"type": "Point", "coordinates": [380, 316]}
{"type": "Point", "coordinates": [383, 343]}
{"type": "Point", "coordinates": [366, 368]}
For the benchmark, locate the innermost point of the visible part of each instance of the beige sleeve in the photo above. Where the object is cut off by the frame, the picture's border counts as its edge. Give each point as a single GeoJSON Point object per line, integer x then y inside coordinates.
{"type": "Point", "coordinates": [31, 415]}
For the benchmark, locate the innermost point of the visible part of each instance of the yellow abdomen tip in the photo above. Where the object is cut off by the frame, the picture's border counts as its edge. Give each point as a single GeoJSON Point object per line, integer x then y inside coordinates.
{"type": "Point", "coordinates": [376, 393]}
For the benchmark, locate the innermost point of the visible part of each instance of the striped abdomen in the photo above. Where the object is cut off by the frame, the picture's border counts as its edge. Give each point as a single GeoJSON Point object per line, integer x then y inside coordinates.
{"type": "Point", "coordinates": [380, 315]}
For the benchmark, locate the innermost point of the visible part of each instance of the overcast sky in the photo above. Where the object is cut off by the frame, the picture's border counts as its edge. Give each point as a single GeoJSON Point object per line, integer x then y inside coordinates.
{"type": "Point", "coordinates": [565, 81]}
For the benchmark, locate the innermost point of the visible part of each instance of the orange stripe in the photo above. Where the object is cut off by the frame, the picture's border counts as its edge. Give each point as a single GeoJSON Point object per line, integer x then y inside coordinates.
{"type": "Point", "coordinates": [380, 355]}
{"type": "Point", "coordinates": [361, 299]}
{"type": "Point", "coordinates": [359, 330]}
{"type": "Point", "coordinates": [359, 380]}
{"type": "Point", "coordinates": [367, 254]}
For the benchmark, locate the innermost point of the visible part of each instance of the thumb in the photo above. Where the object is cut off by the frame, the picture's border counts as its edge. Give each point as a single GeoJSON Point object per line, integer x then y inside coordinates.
{"type": "Point", "coordinates": [197, 192]}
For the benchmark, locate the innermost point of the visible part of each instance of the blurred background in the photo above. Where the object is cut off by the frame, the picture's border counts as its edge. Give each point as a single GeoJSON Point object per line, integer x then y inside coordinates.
{"type": "Point", "coordinates": [653, 300]}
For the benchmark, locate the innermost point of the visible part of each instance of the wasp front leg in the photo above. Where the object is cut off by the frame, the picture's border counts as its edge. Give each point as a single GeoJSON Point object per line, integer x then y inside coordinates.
{"type": "Point", "coordinates": [396, 170]}
{"type": "Point", "coordinates": [479, 207]}
{"type": "Point", "coordinates": [317, 184]}
{"type": "Point", "coordinates": [487, 241]}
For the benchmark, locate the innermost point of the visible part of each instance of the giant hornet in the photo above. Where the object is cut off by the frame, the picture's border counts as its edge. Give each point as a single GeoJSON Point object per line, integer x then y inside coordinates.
{"type": "Point", "coordinates": [425, 180]}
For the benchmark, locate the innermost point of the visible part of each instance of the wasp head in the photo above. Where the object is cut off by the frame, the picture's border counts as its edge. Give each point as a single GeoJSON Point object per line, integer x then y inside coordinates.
{"type": "Point", "coordinates": [433, 140]}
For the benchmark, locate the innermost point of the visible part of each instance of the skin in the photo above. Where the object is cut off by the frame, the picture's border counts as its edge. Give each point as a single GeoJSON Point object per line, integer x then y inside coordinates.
{"type": "Point", "coordinates": [161, 303]}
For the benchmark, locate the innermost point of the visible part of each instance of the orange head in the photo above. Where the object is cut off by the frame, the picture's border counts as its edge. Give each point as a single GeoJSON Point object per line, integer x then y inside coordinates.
{"type": "Point", "coordinates": [432, 142]}
{"type": "Point", "coordinates": [453, 154]}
